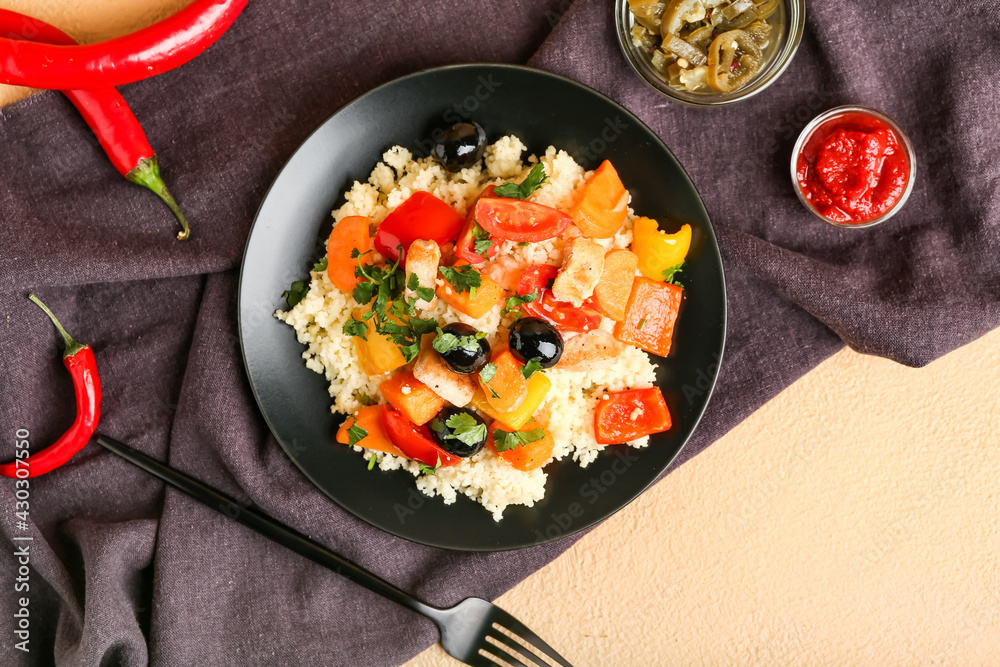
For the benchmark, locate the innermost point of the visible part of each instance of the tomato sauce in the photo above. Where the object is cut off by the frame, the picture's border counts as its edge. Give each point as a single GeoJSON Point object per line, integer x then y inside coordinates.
{"type": "Point", "coordinates": [853, 168]}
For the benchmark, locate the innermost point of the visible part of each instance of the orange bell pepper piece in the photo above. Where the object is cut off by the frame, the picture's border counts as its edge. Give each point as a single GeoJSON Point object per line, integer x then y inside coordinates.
{"type": "Point", "coordinates": [629, 415]}
{"type": "Point", "coordinates": [413, 398]}
{"type": "Point", "coordinates": [650, 316]}
{"type": "Point", "coordinates": [615, 286]}
{"type": "Point", "coordinates": [603, 204]}
{"type": "Point", "coordinates": [369, 419]}
{"type": "Point", "coordinates": [529, 456]}
{"type": "Point", "coordinates": [487, 295]}
{"type": "Point", "coordinates": [507, 388]}
{"type": "Point", "coordinates": [538, 387]}
{"type": "Point", "coordinates": [348, 235]}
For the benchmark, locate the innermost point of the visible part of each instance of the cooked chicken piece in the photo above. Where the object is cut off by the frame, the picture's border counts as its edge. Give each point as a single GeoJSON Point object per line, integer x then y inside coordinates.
{"type": "Point", "coordinates": [583, 262]}
{"type": "Point", "coordinates": [422, 260]}
{"type": "Point", "coordinates": [453, 387]}
{"type": "Point", "coordinates": [590, 351]}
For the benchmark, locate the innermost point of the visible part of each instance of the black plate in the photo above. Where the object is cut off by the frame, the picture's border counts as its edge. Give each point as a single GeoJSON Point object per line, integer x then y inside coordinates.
{"type": "Point", "coordinates": [542, 109]}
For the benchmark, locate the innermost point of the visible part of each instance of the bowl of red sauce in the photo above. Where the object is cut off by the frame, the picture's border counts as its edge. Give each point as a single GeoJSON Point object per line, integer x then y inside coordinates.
{"type": "Point", "coordinates": [853, 167]}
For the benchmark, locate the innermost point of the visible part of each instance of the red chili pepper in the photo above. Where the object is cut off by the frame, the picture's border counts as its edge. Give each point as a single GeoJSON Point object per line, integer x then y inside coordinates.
{"type": "Point", "coordinates": [108, 115]}
{"type": "Point", "coordinates": [159, 48]}
{"type": "Point", "coordinates": [79, 361]}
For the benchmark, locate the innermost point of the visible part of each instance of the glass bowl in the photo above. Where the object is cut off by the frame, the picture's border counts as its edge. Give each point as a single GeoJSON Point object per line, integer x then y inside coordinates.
{"type": "Point", "coordinates": [792, 17]}
{"type": "Point", "coordinates": [837, 112]}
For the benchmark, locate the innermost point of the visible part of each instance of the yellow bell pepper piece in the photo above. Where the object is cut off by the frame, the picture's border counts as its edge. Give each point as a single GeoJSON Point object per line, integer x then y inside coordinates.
{"type": "Point", "coordinates": [538, 387]}
{"type": "Point", "coordinates": [377, 354]}
{"type": "Point", "coordinates": [658, 251]}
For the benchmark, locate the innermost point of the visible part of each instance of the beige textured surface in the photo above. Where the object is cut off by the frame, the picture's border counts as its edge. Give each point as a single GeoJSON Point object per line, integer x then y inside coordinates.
{"type": "Point", "coordinates": [851, 521]}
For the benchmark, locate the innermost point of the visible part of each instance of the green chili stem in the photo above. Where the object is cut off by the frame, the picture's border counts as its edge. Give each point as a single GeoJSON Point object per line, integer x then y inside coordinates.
{"type": "Point", "coordinates": [72, 345]}
{"type": "Point", "coordinates": [147, 174]}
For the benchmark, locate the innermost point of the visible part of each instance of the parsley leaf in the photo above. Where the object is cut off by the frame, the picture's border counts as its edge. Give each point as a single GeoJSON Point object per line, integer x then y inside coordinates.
{"type": "Point", "coordinates": [423, 293]}
{"type": "Point", "coordinates": [320, 266]}
{"type": "Point", "coordinates": [482, 246]}
{"type": "Point", "coordinates": [463, 278]}
{"type": "Point", "coordinates": [505, 441]}
{"type": "Point", "coordinates": [670, 275]}
{"type": "Point", "coordinates": [295, 293]}
{"type": "Point", "coordinates": [523, 243]}
{"type": "Point", "coordinates": [534, 180]}
{"type": "Point", "coordinates": [530, 368]}
{"type": "Point", "coordinates": [447, 341]}
{"type": "Point", "coordinates": [481, 240]}
{"type": "Point", "coordinates": [353, 327]}
{"type": "Point", "coordinates": [371, 462]}
{"type": "Point", "coordinates": [466, 429]}
{"type": "Point", "coordinates": [488, 371]}
{"type": "Point", "coordinates": [356, 434]}
{"type": "Point", "coordinates": [518, 300]}
{"type": "Point", "coordinates": [430, 470]}
{"type": "Point", "coordinates": [365, 399]}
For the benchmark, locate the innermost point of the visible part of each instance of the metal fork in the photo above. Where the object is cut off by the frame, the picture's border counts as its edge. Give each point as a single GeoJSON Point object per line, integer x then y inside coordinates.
{"type": "Point", "coordinates": [474, 631]}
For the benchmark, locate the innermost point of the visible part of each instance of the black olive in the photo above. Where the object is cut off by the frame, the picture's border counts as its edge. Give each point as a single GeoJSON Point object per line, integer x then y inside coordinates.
{"type": "Point", "coordinates": [534, 338]}
{"type": "Point", "coordinates": [461, 437]}
{"type": "Point", "coordinates": [460, 146]}
{"type": "Point", "coordinates": [469, 354]}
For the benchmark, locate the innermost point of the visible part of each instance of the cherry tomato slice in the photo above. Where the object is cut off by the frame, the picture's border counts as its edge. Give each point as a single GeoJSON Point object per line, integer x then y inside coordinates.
{"type": "Point", "coordinates": [465, 245]}
{"type": "Point", "coordinates": [563, 315]}
{"type": "Point", "coordinates": [518, 220]}
{"type": "Point", "coordinates": [414, 441]}
{"type": "Point", "coordinates": [422, 216]}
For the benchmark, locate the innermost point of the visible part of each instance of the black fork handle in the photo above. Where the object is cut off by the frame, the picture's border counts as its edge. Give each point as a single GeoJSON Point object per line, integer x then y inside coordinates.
{"type": "Point", "coordinates": [269, 527]}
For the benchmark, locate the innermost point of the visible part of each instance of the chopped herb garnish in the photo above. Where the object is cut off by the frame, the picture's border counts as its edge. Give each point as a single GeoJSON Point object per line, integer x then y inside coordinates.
{"type": "Point", "coordinates": [463, 278]}
{"type": "Point", "coordinates": [295, 293]}
{"type": "Point", "coordinates": [447, 341]}
{"type": "Point", "coordinates": [365, 399]}
{"type": "Point", "coordinates": [530, 368]}
{"type": "Point", "coordinates": [353, 327]}
{"type": "Point", "coordinates": [518, 300]}
{"type": "Point", "coordinates": [642, 323]}
{"type": "Point", "coordinates": [356, 434]}
{"type": "Point", "coordinates": [505, 441]}
{"type": "Point", "coordinates": [371, 462]}
{"type": "Point", "coordinates": [424, 293]}
{"type": "Point", "coordinates": [465, 429]}
{"type": "Point", "coordinates": [320, 266]}
{"type": "Point", "coordinates": [430, 470]}
{"type": "Point", "coordinates": [670, 275]}
{"type": "Point", "coordinates": [488, 371]}
{"type": "Point", "coordinates": [493, 391]}
{"type": "Point", "coordinates": [534, 180]}
{"type": "Point", "coordinates": [481, 240]}
{"type": "Point", "coordinates": [523, 243]}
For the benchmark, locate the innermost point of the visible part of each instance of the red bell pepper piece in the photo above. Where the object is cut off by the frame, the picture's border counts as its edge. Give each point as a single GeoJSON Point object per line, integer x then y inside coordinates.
{"type": "Point", "coordinates": [415, 441]}
{"type": "Point", "coordinates": [561, 314]}
{"type": "Point", "coordinates": [629, 415]}
{"type": "Point", "coordinates": [422, 216]}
